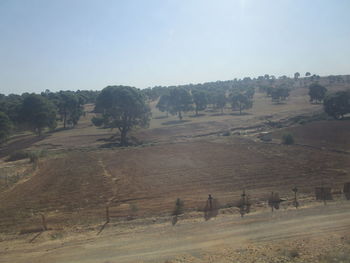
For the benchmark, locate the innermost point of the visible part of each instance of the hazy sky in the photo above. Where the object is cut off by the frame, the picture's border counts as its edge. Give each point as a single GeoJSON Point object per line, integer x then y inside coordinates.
{"type": "Point", "coordinates": [86, 44]}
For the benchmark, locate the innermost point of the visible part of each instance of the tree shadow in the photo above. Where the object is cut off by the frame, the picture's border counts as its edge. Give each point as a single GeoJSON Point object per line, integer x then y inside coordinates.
{"type": "Point", "coordinates": [114, 142]}
{"type": "Point", "coordinates": [238, 114]}
{"type": "Point", "coordinates": [197, 116]}
{"type": "Point", "coordinates": [20, 144]}
{"type": "Point", "coordinates": [219, 114]}
{"type": "Point", "coordinates": [175, 122]}
{"type": "Point", "coordinates": [160, 117]}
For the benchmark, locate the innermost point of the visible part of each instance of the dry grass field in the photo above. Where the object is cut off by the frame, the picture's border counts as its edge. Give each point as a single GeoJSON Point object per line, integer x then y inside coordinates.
{"type": "Point", "coordinates": [82, 172]}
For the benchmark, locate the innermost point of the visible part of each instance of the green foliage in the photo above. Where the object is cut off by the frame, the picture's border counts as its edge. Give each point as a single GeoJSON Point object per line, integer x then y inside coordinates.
{"type": "Point", "coordinates": [287, 139]}
{"type": "Point", "coordinates": [164, 103]}
{"type": "Point", "coordinates": [337, 104]}
{"type": "Point", "coordinates": [279, 94]}
{"type": "Point", "coordinates": [220, 101]}
{"type": "Point", "coordinates": [200, 100]}
{"type": "Point", "coordinates": [240, 101]}
{"type": "Point", "coordinates": [97, 121]}
{"type": "Point", "coordinates": [5, 127]}
{"type": "Point", "coordinates": [69, 108]}
{"type": "Point", "coordinates": [179, 207]}
{"type": "Point", "coordinates": [317, 92]}
{"type": "Point", "coordinates": [10, 105]}
{"type": "Point", "coordinates": [38, 113]}
{"type": "Point", "coordinates": [180, 101]}
{"type": "Point", "coordinates": [123, 107]}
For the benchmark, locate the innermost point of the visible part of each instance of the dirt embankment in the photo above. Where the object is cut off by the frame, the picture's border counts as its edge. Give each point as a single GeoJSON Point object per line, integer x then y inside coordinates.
{"type": "Point", "coordinates": [316, 234]}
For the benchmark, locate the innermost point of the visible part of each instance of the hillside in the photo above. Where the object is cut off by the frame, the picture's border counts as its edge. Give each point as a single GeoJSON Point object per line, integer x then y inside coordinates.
{"type": "Point", "coordinates": [83, 171]}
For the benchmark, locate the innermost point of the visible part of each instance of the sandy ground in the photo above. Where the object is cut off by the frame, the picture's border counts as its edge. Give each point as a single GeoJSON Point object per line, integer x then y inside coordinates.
{"type": "Point", "coordinates": [259, 237]}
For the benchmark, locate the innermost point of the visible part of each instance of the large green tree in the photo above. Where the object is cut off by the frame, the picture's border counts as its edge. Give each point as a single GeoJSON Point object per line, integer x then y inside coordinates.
{"type": "Point", "coordinates": [240, 101]}
{"type": "Point", "coordinates": [337, 104]}
{"type": "Point", "coordinates": [180, 101]}
{"type": "Point", "coordinates": [220, 101]}
{"type": "Point", "coordinates": [164, 104]}
{"type": "Point", "coordinates": [317, 92]}
{"type": "Point", "coordinates": [123, 107]}
{"type": "Point", "coordinates": [279, 94]}
{"type": "Point", "coordinates": [69, 107]}
{"type": "Point", "coordinates": [5, 127]}
{"type": "Point", "coordinates": [200, 100]}
{"type": "Point", "coordinates": [38, 113]}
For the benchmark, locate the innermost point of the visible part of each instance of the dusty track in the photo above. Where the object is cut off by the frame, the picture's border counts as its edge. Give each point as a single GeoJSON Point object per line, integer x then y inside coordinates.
{"type": "Point", "coordinates": [161, 242]}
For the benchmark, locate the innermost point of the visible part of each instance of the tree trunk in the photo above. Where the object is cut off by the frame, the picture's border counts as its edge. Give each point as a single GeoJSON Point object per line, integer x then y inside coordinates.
{"type": "Point", "coordinates": [123, 141]}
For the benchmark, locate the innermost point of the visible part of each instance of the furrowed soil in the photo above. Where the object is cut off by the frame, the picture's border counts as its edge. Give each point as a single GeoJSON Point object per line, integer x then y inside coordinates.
{"type": "Point", "coordinates": [83, 172]}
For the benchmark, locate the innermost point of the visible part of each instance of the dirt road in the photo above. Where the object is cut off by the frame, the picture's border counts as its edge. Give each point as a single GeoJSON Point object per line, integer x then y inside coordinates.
{"type": "Point", "coordinates": [161, 242]}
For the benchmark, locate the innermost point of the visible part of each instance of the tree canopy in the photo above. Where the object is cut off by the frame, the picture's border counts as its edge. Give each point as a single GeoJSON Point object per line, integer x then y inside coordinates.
{"type": "Point", "coordinates": [38, 113]}
{"type": "Point", "coordinates": [240, 101]}
{"type": "Point", "coordinates": [123, 107]}
{"type": "Point", "coordinates": [200, 100]}
{"type": "Point", "coordinates": [5, 127]}
{"type": "Point", "coordinates": [337, 104]}
{"type": "Point", "coordinates": [180, 101]}
{"type": "Point", "coordinates": [69, 107]}
{"type": "Point", "coordinates": [164, 103]}
{"type": "Point", "coordinates": [279, 94]}
{"type": "Point", "coordinates": [317, 92]}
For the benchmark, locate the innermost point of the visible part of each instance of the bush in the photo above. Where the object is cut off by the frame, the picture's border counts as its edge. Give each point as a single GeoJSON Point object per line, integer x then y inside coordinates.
{"type": "Point", "coordinates": [287, 139]}
{"type": "Point", "coordinates": [179, 207]}
{"type": "Point", "coordinates": [97, 121]}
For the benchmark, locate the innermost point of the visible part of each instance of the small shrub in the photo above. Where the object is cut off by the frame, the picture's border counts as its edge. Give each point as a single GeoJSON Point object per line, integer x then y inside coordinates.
{"type": "Point", "coordinates": [287, 139]}
{"type": "Point", "coordinates": [179, 207]}
{"type": "Point", "coordinates": [97, 121]}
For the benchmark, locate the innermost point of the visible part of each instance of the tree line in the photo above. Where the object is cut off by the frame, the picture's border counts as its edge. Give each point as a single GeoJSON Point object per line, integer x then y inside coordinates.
{"type": "Point", "coordinates": [178, 100]}
{"type": "Point", "coordinates": [37, 112]}
{"type": "Point", "coordinates": [125, 107]}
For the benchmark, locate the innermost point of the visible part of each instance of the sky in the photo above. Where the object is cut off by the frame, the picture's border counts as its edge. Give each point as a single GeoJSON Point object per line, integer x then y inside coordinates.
{"type": "Point", "coordinates": [90, 44]}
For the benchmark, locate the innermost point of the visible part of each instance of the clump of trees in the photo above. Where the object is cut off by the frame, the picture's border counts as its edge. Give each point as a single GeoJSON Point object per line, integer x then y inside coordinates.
{"type": "Point", "coordinates": [317, 93]}
{"type": "Point", "coordinates": [122, 107]}
{"type": "Point", "coordinates": [200, 100]}
{"type": "Point", "coordinates": [164, 104]}
{"type": "Point", "coordinates": [5, 127]}
{"type": "Point", "coordinates": [220, 101]}
{"type": "Point", "coordinates": [36, 112]}
{"type": "Point", "coordinates": [241, 101]}
{"type": "Point", "coordinates": [337, 104]}
{"type": "Point", "coordinates": [180, 101]}
{"type": "Point", "coordinates": [279, 94]}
